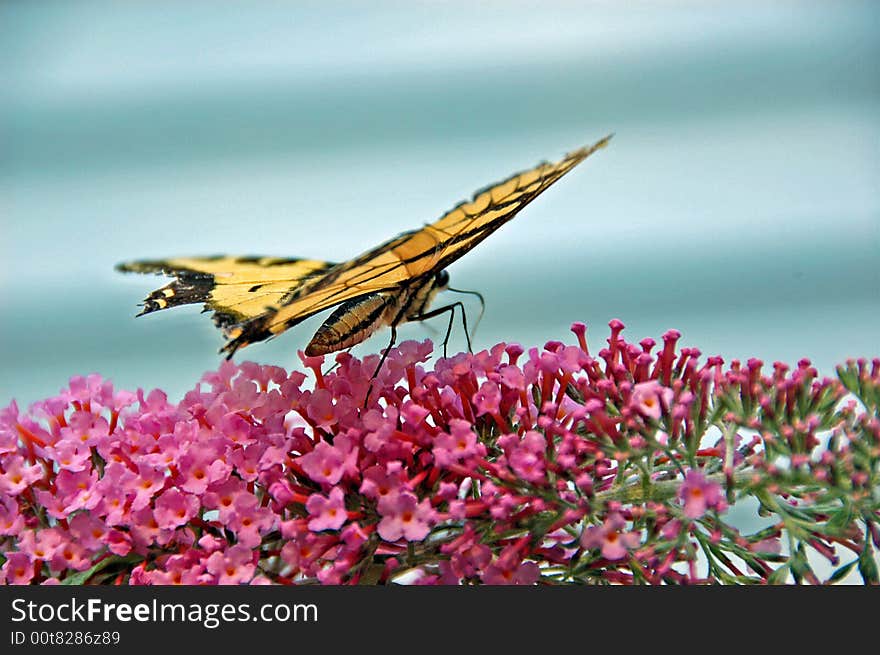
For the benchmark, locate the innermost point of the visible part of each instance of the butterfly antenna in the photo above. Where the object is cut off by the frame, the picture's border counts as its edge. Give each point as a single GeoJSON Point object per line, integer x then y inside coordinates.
{"type": "Point", "coordinates": [482, 306]}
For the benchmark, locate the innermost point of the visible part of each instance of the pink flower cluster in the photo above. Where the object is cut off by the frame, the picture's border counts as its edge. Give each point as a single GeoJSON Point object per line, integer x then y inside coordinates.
{"type": "Point", "coordinates": [502, 466]}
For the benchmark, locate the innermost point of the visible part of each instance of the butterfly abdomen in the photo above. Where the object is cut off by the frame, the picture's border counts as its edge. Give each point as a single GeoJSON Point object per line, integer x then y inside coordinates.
{"type": "Point", "coordinates": [352, 322]}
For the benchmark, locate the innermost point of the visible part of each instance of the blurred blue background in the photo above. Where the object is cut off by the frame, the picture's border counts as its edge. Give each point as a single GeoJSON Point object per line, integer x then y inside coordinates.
{"type": "Point", "coordinates": [738, 201]}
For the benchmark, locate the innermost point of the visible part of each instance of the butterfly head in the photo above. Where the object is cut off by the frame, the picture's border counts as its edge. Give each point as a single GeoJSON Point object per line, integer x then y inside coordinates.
{"type": "Point", "coordinates": [441, 281]}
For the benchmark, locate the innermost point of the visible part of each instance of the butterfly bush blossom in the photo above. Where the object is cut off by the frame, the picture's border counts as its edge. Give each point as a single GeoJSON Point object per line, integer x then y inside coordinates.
{"type": "Point", "coordinates": [553, 466]}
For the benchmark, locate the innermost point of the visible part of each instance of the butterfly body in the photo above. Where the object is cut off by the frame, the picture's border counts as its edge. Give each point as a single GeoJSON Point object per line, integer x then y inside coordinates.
{"type": "Point", "coordinates": [355, 320]}
{"type": "Point", "coordinates": [257, 298]}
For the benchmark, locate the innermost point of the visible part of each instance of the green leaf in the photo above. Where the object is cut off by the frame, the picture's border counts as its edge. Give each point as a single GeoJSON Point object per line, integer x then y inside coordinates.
{"type": "Point", "coordinates": [572, 392]}
{"type": "Point", "coordinates": [536, 396]}
{"type": "Point", "coordinates": [82, 576]}
{"type": "Point", "coordinates": [868, 565]}
{"type": "Point", "coordinates": [372, 574]}
{"type": "Point", "coordinates": [800, 567]}
{"type": "Point", "coordinates": [849, 377]}
{"type": "Point", "coordinates": [779, 576]}
{"type": "Point", "coordinates": [840, 520]}
{"type": "Point", "coordinates": [841, 572]}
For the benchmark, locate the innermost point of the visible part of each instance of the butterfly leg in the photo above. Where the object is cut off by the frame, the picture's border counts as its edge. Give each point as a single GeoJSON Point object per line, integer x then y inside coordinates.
{"type": "Point", "coordinates": [381, 361]}
{"type": "Point", "coordinates": [336, 363]}
{"type": "Point", "coordinates": [451, 310]}
{"type": "Point", "coordinates": [479, 297]}
{"type": "Point", "coordinates": [386, 351]}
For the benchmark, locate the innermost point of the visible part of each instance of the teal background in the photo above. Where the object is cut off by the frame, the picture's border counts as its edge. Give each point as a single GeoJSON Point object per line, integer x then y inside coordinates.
{"type": "Point", "coordinates": [738, 201]}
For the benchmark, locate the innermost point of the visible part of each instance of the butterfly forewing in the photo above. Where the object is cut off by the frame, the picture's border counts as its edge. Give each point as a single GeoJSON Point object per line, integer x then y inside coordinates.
{"type": "Point", "coordinates": [422, 252]}
{"type": "Point", "coordinates": [470, 222]}
{"type": "Point", "coordinates": [256, 298]}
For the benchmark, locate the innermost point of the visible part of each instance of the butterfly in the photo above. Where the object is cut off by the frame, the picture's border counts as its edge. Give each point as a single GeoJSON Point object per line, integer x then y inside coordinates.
{"type": "Point", "coordinates": [257, 298]}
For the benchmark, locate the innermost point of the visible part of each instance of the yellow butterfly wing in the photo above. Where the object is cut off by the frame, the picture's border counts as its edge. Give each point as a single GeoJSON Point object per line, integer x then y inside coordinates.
{"type": "Point", "coordinates": [236, 289]}
{"type": "Point", "coordinates": [412, 256]}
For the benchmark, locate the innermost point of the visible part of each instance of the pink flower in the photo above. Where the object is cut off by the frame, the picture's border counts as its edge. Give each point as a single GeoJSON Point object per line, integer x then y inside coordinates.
{"type": "Point", "coordinates": [233, 566]}
{"type": "Point", "coordinates": [512, 378]}
{"type": "Point", "coordinates": [180, 570]}
{"type": "Point", "coordinates": [380, 481]}
{"type": "Point", "coordinates": [478, 471]}
{"type": "Point", "coordinates": [70, 555]}
{"type": "Point", "coordinates": [200, 466]}
{"type": "Point", "coordinates": [413, 413]}
{"type": "Point", "coordinates": [459, 444]}
{"type": "Point", "coordinates": [114, 506]}
{"type": "Point", "coordinates": [403, 516]}
{"type": "Point", "coordinates": [527, 465]}
{"type": "Point", "coordinates": [70, 455]}
{"type": "Point", "coordinates": [11, 519]}
{"type": "Point", "coordinates": [650, 398]}
{"type": "Point", "coordinates": [174, 508]}
{"type": "Point", "coordinates": [144, 528]}
{"type": "Point", "coordinates": [264, 376]}
{"type": "Point", "coordinates": [88, 530]}
{"type": "Point", "coordinates": [407, 354]}
{"type": "Point", "coordinates": [324, 463]}
{"type": "Point", "coordinates": [699, 494]}
{"type": "Point", "coordinates": [40, 545]}
{"type": "Point", "coordinates": [78, 489]}
{"type": "Point", "coordinates": [221, 379]}
{"type": "Point", "coordinates": [145, 485]}
{"type": "Point", "coordinates": [487, 399]}
{"type": "Point", "coordinates": [236, 429]}
{"type": "Point", "coordinates": [18, 568]}
{"type": "Point", "coordinates": [608, 537]}
{"type": "Point", "coordinates": [526, 456]}
{"type": "Point", "coordinates": [328, 512]}
{"type": "Point", "coordinates": [511, 571]}
{"type": "Point", "coordinates": [381, 436]}
{"type": "Point", "coordinates": [353, 536]}
{"type": "Point", "coordinates": [53, 504]}
{"type": "Point", "coordinates": [246, 461]}
{"type": "Point", "coordinates": [85, 429]}
{"type": "Point", "coordinates": [16, 475]}
{"type": "Point", "coordinates": [168, 448]}
{"type": "Point", "coordinates": [118, 543]}
{"type": "Point", "coordinates": [410, 353]}
{"type": "Point", "coordinates": [469, 558]}
{"type": "Point", "coordinates": [94, 389]}
{"type": "Point", "coordinates": [771, 545]}
{"type": "Point", "coordinates": [249, 520]}
{"type": "Point", "coordinates": [321, 410]}
{"type": "Point", "coordinates": [9, 420]}
{"type": "Point", "coordinates": [222, 496]}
